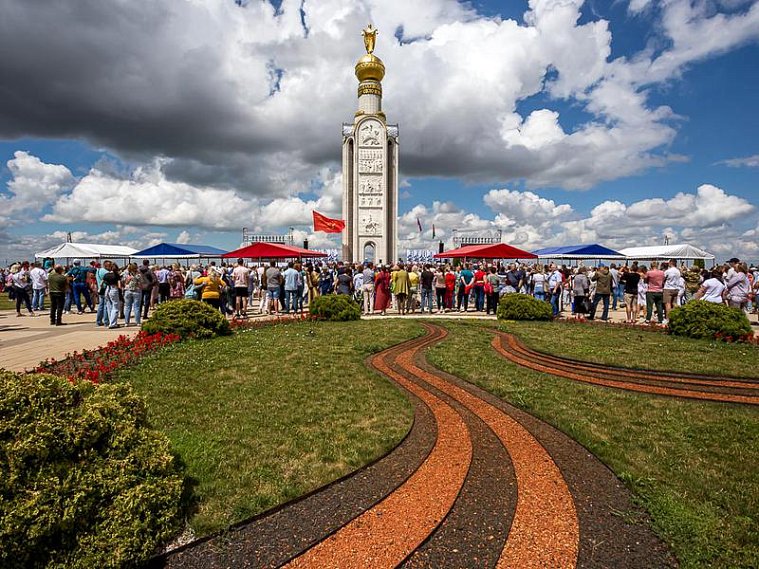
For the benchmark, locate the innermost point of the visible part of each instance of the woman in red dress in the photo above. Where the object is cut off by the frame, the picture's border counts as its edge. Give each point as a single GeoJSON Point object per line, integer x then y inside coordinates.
{"type": "Point", "coordinates": [450, 285]}
{"type": "Point", "coordinates": [382, 290]}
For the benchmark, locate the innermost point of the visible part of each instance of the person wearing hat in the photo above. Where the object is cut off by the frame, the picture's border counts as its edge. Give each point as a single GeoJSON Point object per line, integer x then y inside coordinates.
{"type": "Point", "coordinates": [734, 262]}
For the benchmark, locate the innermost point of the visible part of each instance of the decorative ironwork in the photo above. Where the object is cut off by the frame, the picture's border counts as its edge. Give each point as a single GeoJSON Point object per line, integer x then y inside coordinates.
{"type": "Point", "coordinates": [459, 241]}
{"type": "Point", "coordinates": [248, 238]}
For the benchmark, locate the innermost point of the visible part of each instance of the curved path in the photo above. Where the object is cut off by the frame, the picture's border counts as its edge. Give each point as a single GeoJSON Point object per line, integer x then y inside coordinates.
{"type": "Point", "coordinates": [674, 384]}
{"type": "Point", "coordinates": [475, 483]}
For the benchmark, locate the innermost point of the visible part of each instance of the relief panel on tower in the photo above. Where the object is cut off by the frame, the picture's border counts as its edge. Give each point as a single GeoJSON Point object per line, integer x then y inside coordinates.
{"type": "Point", "coordinates": [369, 201]}
{"type": "Point", "coordinates": [370, 223]}
{"type": "Point", "coordinates": [370, 185]}
{"type": "Point", "coordinates": [370, 134]}
{"type": "Point", "coordinates": [370, 161]}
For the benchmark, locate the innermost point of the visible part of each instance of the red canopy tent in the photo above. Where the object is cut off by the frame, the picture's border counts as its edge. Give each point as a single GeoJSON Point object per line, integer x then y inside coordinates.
{"type": "Point", "coordinates": [492, 251]}
{"type": "Point", "coordinates": [262, 250]}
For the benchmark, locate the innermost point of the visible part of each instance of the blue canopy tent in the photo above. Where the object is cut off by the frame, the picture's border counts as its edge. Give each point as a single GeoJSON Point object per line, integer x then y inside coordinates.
{"type": "Point", "coordinates": [578, 252]}
{"type": "Point", "coordinates": [179, 251]}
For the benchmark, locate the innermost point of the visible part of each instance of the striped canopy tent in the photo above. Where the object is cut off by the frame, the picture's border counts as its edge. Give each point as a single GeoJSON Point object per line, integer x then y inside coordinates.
{"type": "Point", "coordinates": [179, 251]}
{"type": "Point", "coordinates": [491, 251]}
{"type": "Point", "coordinates": [569, 252]}
{"type": "Point", "coordinates": [262, 250]}
{"type": "Point", "coordinates": [665, 252]}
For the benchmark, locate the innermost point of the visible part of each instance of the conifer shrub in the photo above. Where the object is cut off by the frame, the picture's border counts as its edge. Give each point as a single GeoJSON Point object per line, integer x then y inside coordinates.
{"type": "Point", "coordinates": [335, 308]}
{"type": "Point", "coordinates": [515, 306]}
{"type": "Point", "coordinates": [702, 319]}
{"type": "Point", "coordinates": [84, 481]}
{"type": "Point", "coordinates": [188, 319]}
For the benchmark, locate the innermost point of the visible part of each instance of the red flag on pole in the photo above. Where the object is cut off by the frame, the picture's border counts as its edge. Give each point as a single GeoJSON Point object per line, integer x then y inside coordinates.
{"type": "Point", "coordinates": [327, 224]}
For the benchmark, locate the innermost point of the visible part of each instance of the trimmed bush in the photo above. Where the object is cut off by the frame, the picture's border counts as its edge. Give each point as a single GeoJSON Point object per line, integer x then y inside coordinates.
{"type": "Point", "coordinates": [84, 482]}
{"type": "Point", "coordinates": [188, 319]}
{"type": "Point", "coordinates": [335, 307]}
{"type": "Point", "coordinates": [515, 306]}
{"type": "Point", "coordinates": [702, 319]}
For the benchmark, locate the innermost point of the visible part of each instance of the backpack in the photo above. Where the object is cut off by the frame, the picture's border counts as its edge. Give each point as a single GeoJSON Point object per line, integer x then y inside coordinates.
{"type": "Point", "coordinates": [146, 280]}
{"type": "Point", "coordinates": [193, 291]}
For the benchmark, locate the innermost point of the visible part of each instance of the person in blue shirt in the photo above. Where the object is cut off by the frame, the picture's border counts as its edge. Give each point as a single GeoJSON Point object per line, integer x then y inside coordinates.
{"type": "Point", "coordinates": [78, 275]}
{"type": "Point", "coordinates": [291, 287]}
{"type": "Point", "coordinates": [466, 280]}
{"type": "Point", "coordinates": [99, 274]}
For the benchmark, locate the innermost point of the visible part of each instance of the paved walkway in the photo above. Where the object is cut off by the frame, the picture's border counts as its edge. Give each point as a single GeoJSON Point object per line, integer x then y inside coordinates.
{"type": "Point", "coordinates": [26, 341]}
{"type": "Point", "coordinates": [476, 483]}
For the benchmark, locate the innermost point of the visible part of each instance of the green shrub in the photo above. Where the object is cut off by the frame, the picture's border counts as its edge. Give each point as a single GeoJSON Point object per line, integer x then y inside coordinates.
{"type": "Point", "coordinates": [84, 482]}
{"type": "Point", "coordinates": [187, 318]}
{"type": "Point", "coordinates": [335, 307]}
{"type": "Point", "coordinates": [515, 306]}
{"type": "Point", "coordinates": [702, 319]}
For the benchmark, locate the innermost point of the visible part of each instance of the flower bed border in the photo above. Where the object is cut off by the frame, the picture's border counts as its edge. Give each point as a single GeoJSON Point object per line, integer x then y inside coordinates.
{"type": "Point", "coordinates": [99, 365]}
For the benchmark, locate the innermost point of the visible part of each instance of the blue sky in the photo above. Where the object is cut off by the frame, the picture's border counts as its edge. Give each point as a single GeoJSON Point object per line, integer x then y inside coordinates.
{"type": "Point", "coordinates": [587, 167]}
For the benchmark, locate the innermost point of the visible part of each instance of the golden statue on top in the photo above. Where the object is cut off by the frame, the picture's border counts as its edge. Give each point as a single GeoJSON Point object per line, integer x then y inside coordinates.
{"type": "Point", "coordinates": [370, 37]}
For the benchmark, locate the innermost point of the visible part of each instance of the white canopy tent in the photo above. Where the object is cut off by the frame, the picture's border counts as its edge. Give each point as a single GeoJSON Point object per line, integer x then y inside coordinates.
{"type": "Point", "coordinates": [86, 251]}
{"type": "Point", "coordinates": [666, 252]}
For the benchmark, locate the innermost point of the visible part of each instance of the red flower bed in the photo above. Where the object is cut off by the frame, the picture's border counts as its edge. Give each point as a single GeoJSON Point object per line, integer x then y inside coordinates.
{"type": "Point", "coordinates": [99, 364]}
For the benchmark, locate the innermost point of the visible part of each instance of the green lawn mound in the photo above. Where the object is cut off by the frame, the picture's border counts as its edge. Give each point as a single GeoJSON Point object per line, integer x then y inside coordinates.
{"type": "Point", "coordinates": [701, 319]}
{"type": "Point", "coordinates": [691, 464]}
{"type": "Point", "coordinates": [188, 319]}
{"type": "Point", "coordinates": [523, 307]}
{"type": "Point", "coordinates": [84, 481]}
{"type": "Point", "coordinates": [335, 308]}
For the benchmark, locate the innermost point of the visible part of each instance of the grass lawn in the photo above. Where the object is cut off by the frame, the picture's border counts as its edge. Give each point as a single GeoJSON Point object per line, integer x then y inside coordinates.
{"type": "Point", "coordinates": [6, 304]}
{"type": "Point", "coordinates": [267, 415]}
{"type": "Point", "coordinates": [693, 465]}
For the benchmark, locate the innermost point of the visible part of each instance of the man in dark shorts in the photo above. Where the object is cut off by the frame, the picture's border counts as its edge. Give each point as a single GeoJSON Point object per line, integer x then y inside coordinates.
{"type": "Point", "coordinates": [630, 278]}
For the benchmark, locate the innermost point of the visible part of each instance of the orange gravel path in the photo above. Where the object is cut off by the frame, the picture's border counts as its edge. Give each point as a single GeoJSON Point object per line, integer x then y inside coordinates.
{"type": "Point", "coordinates": [657, 376]}
{"type": "Point", "coordinates": [545, 531]}
{"type": "Point", "coordinates": [386, 534]}
{"type": "Point", "coordinates": [517, 353]}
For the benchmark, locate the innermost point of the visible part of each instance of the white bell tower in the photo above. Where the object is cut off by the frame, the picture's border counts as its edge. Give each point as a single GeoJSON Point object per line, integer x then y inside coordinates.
{"type": "Point", "coordinates": [370, 169]}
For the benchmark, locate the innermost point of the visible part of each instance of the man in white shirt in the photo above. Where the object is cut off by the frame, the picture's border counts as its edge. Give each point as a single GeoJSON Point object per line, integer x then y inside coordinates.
{"type": "Point", "coordinates": [615, 289]}
{"type": "Point", "coordinates": [367, 288]}
{"type": "Point", "coordinates": [38, 276]}
{"type": "Point", "coordinates": [358, 280]}
{"type": "Point", "coordinates": [241, 278]}
{"type": "Point", "coordinates": [555, 280]}
{"type": "Point", "coordinates": [671, 288]}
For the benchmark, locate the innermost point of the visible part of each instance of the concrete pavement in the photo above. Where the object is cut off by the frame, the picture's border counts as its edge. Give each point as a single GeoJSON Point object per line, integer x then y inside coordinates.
{"type": "Point", "coordinates": [26, 341]}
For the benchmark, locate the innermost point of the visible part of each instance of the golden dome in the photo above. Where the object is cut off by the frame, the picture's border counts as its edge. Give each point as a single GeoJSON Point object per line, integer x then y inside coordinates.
{"type": "Point", "coordinates": [370, 67]}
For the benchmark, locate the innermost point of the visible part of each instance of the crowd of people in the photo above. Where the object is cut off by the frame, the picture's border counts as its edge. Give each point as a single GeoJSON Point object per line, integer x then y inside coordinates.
{"type": "Point", "coordinates": [128, 292]}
